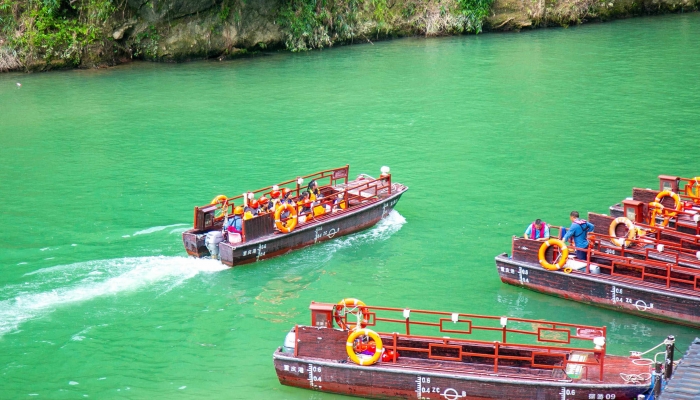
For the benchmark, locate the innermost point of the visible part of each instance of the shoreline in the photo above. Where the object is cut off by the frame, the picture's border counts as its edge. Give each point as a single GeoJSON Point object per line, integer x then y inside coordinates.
{"type": "Point", "coordinates": [195, 37]}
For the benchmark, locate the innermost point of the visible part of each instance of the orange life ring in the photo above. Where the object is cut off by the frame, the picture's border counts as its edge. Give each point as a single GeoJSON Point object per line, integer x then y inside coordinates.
{"type": "Point", "coordinates": [562, 257]}
{"type": "Point", "coordinates": [656, 210]}
{"type": "Point", "coordinates": [222, 211]}
{"type": "Point", "coordinates": [676, 198]}
{"type": "Point", "coordinates": [350, 347]}
{"type": "Point", "coordinates": [350, 306]}
{"type": "Point", "coordinates": [692, 189]}
{"type": "Point", "coordinates": [291, 222]}
{"type": "Point", "coordinates": [631, 233]}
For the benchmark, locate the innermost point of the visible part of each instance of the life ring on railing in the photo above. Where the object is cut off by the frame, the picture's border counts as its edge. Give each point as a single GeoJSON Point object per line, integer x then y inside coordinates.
{"type": "Point", "coordinates": [350, 306]}
{"type": "Point", "coordinates": [220, 213]}
{"type": "Point", "coordinates": [562, 257]}
{"type": "Point", "coordinates": [350, 347]}
{"type": "Point", "coordinates": [219, 199]}
{"type": "Point", "coordinates": [291, 222]}
{"type": "Point", "coordinates": [692, 189]}
{"type": "Point", "coordinates": [656, 210]}
{"type": "Point", "coordinates": [631, 232]}
{"type": "Point", "coordinates": [676, 198]}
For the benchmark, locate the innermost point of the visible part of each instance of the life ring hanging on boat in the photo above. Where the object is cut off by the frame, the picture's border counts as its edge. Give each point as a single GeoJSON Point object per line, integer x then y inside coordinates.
{"type": "Point", "coordinates": [558, 263]}
{"type": "Point", "coordinates": [220, 213]}
{"type": "Point", "coordinates": [631, 232]}
{"type": "Point", "coordinates": [350, 347]}
{"type": "Point", "coordinates": [353, 307]}
{"type": "Point", "coordinates": [692, 189]}
{"type": "Point", "coordinates": [291, 222]}
{"type": "Point", "coordinates": [656, 210]}
{"type": "Point", "coordinates": [676, 198]}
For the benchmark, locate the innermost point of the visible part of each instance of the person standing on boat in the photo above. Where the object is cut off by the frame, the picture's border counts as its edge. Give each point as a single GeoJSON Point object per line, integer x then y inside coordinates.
{"type": "Point", "coordinates": [235, 223]}
{"type": "Point", "coordinates": [537, 230]}
{"type": "Point", "coordinates": [578, 231]}
{"type": "Point", "coordinates": [264, 205]}
{"type": "Point", "coordinates": [275, 195]}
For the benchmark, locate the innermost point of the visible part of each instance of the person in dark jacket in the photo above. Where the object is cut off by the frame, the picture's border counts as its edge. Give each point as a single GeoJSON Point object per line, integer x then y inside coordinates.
{"type": "Point", "coordinates": [578, 231]}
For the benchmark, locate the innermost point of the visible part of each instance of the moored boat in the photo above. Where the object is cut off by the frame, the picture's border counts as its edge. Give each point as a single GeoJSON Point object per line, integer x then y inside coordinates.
{"type": "Point", "coordinates": [444, 355]}
{"type": "Point", "coordinates": [646, 276]}
{"type": "Point", "coordinates": [342, 207]}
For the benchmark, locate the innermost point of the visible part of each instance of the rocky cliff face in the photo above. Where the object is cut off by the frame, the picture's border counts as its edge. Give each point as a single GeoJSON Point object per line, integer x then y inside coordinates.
{"type": "Point", "coordinates": [177, 30]}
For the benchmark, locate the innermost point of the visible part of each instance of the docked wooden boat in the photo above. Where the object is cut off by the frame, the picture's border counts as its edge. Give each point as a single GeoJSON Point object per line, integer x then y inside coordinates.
{"type": "Point", "coordinates": [383, 352]}
{"type": "Point", "coordinates": [647, 276]}
{"type": "Point", "coordinates": [344, 206]}
{"type": "Point", "coordinates": [675, 205]}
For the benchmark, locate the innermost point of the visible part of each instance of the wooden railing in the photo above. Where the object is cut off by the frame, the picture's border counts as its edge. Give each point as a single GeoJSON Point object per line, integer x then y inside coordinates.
{"type": "Point", "coordinates": [552, 339]}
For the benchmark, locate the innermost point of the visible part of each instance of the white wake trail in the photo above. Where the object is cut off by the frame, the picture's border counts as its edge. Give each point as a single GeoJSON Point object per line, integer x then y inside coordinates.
{"type": "Point", "coordinates": [73, 283]}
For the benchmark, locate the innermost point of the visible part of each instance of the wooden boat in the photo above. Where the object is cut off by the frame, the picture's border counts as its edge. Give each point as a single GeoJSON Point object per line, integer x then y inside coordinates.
{"type": "Point", "coordinates": [345, 207]}
{"type": "Point", "coordinates": [679, 198]}
{"type": "Point", "coordinates": [443, 355]}
{"type": "Point", "coordinates": [648, 277]}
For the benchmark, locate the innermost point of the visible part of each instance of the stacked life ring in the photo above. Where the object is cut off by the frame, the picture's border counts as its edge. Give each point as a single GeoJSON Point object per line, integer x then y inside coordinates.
{"type": "Point", "coordinates": [692, 189]}
{"type": "Point", "coordinates": [676, 199]}
{"type": "Point", "coordinates": [290, 223]}
{"type": "Point", "coordinates": [631, 232]}
{"type": "Point", "coordinates": [352, 307]}
{"type": "Point", "coordinates": [558, 262]}
{"type": "Point", "coordinates": [359, 335]}
{"type": "Point", "coordinates": [222, 211]}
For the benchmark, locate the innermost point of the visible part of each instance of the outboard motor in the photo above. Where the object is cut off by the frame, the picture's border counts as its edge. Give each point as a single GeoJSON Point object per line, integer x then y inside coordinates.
{"type": "Point", "coordinates": [212, 241]}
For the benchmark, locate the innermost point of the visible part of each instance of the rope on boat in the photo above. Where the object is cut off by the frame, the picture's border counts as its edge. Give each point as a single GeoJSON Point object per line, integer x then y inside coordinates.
{"type": "Point", "coordinates": [649, 361]}
{"type": "Point", "coordinates": [635, 378]}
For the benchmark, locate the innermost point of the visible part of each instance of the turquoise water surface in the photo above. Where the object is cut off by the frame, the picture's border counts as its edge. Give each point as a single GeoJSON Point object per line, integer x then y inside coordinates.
{"type": "Point", "coordinates": [101, 170]}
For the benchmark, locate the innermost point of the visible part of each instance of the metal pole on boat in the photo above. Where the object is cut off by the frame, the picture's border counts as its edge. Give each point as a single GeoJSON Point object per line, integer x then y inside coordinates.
{"type": "Point", "coordinates": [668, 368]}
{"type": "Point", "coordinates": [657, 379]}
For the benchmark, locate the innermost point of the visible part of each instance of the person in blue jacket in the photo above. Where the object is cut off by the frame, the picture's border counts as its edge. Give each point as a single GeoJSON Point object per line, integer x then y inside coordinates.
{"type": "Point", "coordinates": [578, 231]}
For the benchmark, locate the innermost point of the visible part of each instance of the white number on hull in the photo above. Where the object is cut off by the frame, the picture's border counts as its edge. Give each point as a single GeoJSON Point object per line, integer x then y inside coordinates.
{"type": "Point", "coordinates": [641, 305]}
{"type": "Point", "coordinates": [314, 376]}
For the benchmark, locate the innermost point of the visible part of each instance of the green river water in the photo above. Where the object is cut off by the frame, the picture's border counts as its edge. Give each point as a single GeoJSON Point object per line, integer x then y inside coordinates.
{"type": "Point", "coordinates": [101, 170]}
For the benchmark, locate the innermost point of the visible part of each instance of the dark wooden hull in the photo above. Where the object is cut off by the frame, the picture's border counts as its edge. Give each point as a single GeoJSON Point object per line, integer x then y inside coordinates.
{"type": "Point", "coordinates": [390, 381]}
{"type": "Point", "coordinates": [278, 244]}
{"type": "Point", "coordinates": [615, 293]}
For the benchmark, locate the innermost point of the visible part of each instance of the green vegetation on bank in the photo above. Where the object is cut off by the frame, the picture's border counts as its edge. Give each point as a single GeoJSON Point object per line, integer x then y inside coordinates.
{"type": "Point", "coordinates": [55, 31]}
{"type": "Point", "coordinates": [310, 24]}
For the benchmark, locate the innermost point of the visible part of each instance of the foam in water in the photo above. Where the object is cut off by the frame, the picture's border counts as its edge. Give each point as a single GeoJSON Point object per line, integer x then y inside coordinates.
{"type": "Point", "coordinates": [53, 287]}
{"type": "Point", "coordinates": [156, 229]}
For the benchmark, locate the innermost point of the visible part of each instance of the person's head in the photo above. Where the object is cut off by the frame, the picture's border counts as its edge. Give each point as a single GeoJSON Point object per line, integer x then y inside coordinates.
{"type": "Point", "coordinates": [305, 195]}
{"type": "Point", "coordinates": [538, 222]}
{"type": "Point", "coordinates": [286, 193]}
{"type": "Point", "coordinates": [238, 210]}
{"type": "Point", "coordinates": [573, 216]}
{"type": "Point", "coordinates": [263, 201]}
{"type": "Point", "coordinates": [253, 204]}
{"type": "Point", "coordinates": [313, 185]}
{"type": "Point", "coordinates": [275, 194]}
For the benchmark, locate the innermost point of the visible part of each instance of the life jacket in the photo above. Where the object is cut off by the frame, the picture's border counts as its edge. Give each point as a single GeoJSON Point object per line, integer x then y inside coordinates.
{"type": "Point", "coordinates": [535, 233]}
{"type": "Point", "coordinates": [232, 227]}
{"type": "Point", "coordinates": [583, 224]}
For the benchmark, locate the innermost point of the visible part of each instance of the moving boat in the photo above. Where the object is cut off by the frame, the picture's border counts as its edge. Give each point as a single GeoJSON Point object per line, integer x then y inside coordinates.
{"type": "Point", "coordinates": [343, 207]}
{"type": "Point", "coordinates": [445, 355]}
{"type": "Point", "coordinates": [653, 274]}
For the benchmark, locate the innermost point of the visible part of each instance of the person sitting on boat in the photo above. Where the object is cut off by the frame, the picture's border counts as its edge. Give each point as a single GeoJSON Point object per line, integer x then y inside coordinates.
{"type": "Point", "coordinates": [578, 231]}
{"type": "Point", "coordinates": [251, 210]}
{"type": "Point", "coordinates": [235, 223]}
{"type": "Point", "coordinates": [263, 205]}
{"type": "Point", "coordinates": [314, 192]}
{"type": "Point", "coordinates": [286, 197]}
{"type": "Point", "coordinates": [275, 195]}
{"type": "Point", "coordinates": [304, 207]}
{"type": "Point", "coordinates": [537, 230]}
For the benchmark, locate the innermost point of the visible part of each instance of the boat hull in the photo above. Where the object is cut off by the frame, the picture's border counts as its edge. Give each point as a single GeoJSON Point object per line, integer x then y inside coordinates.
{"type": "Point", "coordinates": [278, 244]}
{"type": "Point", "coordinates": [644, 300]}
{"type": "Point", "coordinates": [386, 381]}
